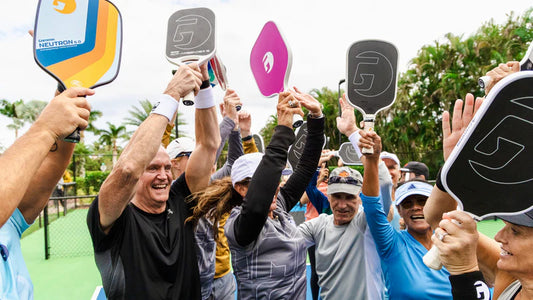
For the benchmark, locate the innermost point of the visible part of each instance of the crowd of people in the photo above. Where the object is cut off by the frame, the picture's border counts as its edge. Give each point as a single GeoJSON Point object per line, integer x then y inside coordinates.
{"type": "Point", "coordinates": [167, 225]}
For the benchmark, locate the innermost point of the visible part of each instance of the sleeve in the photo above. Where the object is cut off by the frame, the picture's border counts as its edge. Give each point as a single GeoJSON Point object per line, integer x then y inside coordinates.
{"type": "Point", "coordinates": [381, 230]}
{"type": "Point", "coordinates": [249, 146]}
{"type": "Point", "coordinates": [226, 126]}
{"type": "Point", "coordinates": [469, 286]}
{"type": "Point", "coordinates": [102, 241]}
{"type": "Point", "coordinates": [249, 223]}
{"type": "Point", "coordinates": [235, 151]}
{"type": "Point", "coordinates": [385, 186]}
{"type": "Point", "coordinates": [319, 200]}
{"type": "Point", "coordinates": [165, 140]}
{"type": "Point", "coordinates": [307, 230]}
{"type": "Point", "coordinates": [297, 183]}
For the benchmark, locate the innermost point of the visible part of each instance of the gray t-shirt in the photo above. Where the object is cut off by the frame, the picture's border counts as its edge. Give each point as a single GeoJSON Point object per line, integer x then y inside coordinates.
{"type": "Point", "coordinates": [273, 266]}
{"type": "Point", "coordinates": [340, 255]}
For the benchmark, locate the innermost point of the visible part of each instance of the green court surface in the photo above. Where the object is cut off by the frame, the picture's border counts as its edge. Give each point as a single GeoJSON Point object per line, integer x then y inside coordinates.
{"type": "Point", "coordinates": [71, 273]}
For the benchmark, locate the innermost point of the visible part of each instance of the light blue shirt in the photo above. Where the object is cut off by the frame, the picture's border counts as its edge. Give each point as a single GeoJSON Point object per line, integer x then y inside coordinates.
{"type": "Point", "coordinates": [15, 280]}
{"type": "Point", "coordinates": [406, 275]}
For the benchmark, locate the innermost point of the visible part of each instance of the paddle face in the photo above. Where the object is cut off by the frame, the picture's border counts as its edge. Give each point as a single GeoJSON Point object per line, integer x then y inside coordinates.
{"type": "Point", "coordinates": [220, 71]}
{"type": "Point", "coordinates": [270, 61]}
{"type": "Point", "coordinates": [259, 143]}
{"type": "Point", "coordinates": [78, 42]}
{"type": "Point", "coordinates": [191, 36]}
{"type": "Point", "coordinates": [297, 148]}
{"type": "Point", "coordinates": [527, 61]}
{"type": "Point", "coordinates": [348, 155]}
{"type": "Point", "coordinates": [371, 75]}
{"type": "Point", "coordinates": [490, 171]}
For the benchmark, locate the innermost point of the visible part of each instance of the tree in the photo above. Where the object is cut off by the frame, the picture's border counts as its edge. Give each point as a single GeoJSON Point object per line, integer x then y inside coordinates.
{"type": "Point", "coordinates": [440, 74]}
{"type": "Point", "coordinates": [9, 110]}
{"type": "Point", "coordinates": [111, 136]}
{"type": "Point", "coordinates": [139, 114]}
{"type": "Point", "coordinates": [93, 116]}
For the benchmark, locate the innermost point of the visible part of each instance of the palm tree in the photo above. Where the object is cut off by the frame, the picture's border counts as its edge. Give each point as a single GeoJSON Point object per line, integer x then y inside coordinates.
{"type": "Point", "coordinates": [111, 136]}
{"type": "Point", "coordinates": [9, 110]}
{"type": "Point", "coordinates": [94, 114]}
{"type": "Point", "coordinates": [139, 114]}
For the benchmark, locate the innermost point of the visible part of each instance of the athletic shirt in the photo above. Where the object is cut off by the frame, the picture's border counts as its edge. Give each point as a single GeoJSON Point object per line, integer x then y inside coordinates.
{"type": "Point", "coordinates": [148, 256]}
{"type": "Point", "coordinates": [222, 266]}
{"type": "Point", "coordinates": [406, 275]}
{"type": "Point", "coordinates": [15, 280]}
{"type": "Point", "coordinates": [511, 291]}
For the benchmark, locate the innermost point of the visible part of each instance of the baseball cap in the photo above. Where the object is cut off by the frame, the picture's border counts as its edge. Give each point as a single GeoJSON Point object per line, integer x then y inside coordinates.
{"type": "Point", "coordinates": [419, 168]}
{"type": "Point", "coordinates": [245, 166]}
{"type": "Point", "coordinates": [345, 180]}
{"type": "Point", "coordinates": [523, 219]}
{"type": "Point", "coordinates": [411, 188]}
{"type": "Point", "coordinates": [180, 145]}
{"type": "Point", "coordinates": [389, 155]}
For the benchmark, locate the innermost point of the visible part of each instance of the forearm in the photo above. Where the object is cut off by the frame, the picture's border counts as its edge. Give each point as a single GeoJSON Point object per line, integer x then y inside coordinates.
{"type": "Point", "coordinates": [226, 127]}
{"type": "Point", "coordinates": [385, 186]}
{"type": "Point", "coordinates": [438, 203]}
{"type": "Point", "coordinates": [297, 183]}
{"type": "Point", "coordinates": [202, 159]}
{"type": "Point", "coordinates": [263, 186]}
{"type": "Point", "coordinates": [45, 180]}
{"type": "Point", "coordinates": [381, 230]}
{"type": "Point", "coordinates": [234, 151]}
{"type": "Point", "coordinates": [18, 163]}
{"type": "Point", "coordinates": [469, 286]}
{"type": "Point", "coordinates": [314, 195]}
{"type": "Point", "coordinates": [371, 177]}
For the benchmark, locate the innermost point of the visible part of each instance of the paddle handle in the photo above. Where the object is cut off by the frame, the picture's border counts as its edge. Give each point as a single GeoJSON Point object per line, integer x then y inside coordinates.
{"type": "Point", "coordinates": [75, 136]}
{"type": "Point", "coordinates": [189, 99]}
{"type": "Point", "coordinates": [369, 126]}
{"type": "Point", "coordinates": [431, 259]}
{"type": "Point", "coordinates": [297, 121]}
{"type": "Point", "coordinates": [484, 81]}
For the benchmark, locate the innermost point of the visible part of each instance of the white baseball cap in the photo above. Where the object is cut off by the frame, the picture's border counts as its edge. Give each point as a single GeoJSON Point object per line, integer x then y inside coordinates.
{"type": "Point", "coordinates": [389, 155]}
{"type": "Point", "coordinates": [411, 188]}
{"type": "Point", "coordinates": [245, 166]}
{"type": "Point", "coordinates": [180, 145]}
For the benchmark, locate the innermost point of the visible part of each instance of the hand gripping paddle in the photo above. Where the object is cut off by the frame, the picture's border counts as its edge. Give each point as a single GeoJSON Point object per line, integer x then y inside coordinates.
{"type": "Point", "coordinates": [191, 38]}
{"type": "Point", "coordinates": [78, 43]}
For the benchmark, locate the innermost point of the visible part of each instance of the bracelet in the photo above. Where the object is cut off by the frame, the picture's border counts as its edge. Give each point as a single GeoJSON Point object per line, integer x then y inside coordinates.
{"type": "Point", "coordinates": [438, 181]}
{"type": "Point", "coordinates": [205, 98]}
{"type": "Point", "coordinates": [354, 139]}
{"type": "Point", "coordinates": [313, 116]}
{"type": "Point", "coordinates": [205, 84]}
{"type": "Point", "coordinates": [166, 106]}
{"type": "Point", "coordinates": [246, 138]}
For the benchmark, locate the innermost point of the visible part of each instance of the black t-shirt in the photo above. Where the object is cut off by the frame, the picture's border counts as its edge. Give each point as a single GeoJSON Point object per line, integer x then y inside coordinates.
{"type": "Point", "coordinates": [148, 256]}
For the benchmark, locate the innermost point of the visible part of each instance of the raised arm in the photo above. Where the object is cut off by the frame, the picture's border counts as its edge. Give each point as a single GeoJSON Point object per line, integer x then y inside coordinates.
{"type": "Point", "coordinates": [30, 166]}
{"type": "Point", "coordinates": [119, 187]}
{"type": "Point", "coordinates": [207, 133]}
{"type": "Point", "coordinates": [295, 186]}
{"type": "Point", "coordinates": [230, 120]}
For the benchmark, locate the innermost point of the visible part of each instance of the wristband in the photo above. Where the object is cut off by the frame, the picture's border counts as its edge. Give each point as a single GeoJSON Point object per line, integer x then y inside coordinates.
{"type": "Point", "coordinates": [205, 98]}
{"type": "Point", "coordinates": [166, 106]}
{"type": "Point", "coordinates": [469, 285]}
{"type": "Point", "coordinates": [247, 138]}
{"type": "Point", "coordinates": [205, 84]}
{"type": "Point", "coordinates": [313, 116]}
{"type": "Point", "coordinates": [438, 181]}
{"type": "Point", "coordinates": [354, 139]}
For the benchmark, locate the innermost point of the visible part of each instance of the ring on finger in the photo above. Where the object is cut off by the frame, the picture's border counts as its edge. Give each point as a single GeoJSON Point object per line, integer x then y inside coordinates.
{"type": "Point", "coordinates": [291, 103]}
{"type": "Point", "coordinates": [441, 236]}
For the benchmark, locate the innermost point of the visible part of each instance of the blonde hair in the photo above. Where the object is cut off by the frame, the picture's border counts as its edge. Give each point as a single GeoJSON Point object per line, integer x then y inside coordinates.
{"type": "Point", "coordinates": [214, 201]}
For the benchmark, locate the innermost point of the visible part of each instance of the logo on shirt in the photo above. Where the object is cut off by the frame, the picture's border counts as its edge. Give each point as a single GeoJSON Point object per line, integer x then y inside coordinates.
{"type": "Point", "coordinates": [482, 290]}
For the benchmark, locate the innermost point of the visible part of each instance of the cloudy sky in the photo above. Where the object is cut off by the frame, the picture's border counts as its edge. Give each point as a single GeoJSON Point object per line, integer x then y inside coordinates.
{"type": "Point", "coordinates": [318, 32]}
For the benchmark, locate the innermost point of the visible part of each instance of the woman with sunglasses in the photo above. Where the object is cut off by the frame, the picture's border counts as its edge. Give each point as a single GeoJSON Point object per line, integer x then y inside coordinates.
{"type": "Point", "coordinates": [268, 253]}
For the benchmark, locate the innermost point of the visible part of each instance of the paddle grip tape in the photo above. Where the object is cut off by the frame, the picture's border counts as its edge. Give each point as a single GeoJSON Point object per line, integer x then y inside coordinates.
{"type": "Point", "coordinates": [205, 98]}
{"type": "Point", "coordinates": [369, 126]}
{"type": "Point", "coordinates": [165, 106]}
{"type": "Point", "coordinates": [354, 139]}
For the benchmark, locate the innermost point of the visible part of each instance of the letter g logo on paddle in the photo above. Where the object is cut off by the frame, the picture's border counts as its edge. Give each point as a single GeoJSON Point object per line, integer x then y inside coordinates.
{"type": "Point", "coordinates": [64, 6]}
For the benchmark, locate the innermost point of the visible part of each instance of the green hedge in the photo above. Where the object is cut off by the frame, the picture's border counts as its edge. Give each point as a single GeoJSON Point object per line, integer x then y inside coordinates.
{"type": "Point", "coordinates": [90, 184]}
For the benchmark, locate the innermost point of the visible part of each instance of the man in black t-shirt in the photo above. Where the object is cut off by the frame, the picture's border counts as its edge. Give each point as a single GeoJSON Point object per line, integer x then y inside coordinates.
{"type": "Point", "coordinates": [143, 248]}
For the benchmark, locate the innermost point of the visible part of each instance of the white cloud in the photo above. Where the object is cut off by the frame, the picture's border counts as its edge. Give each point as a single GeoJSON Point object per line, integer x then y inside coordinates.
{"type": "Point", "coordinates": [319, 33]}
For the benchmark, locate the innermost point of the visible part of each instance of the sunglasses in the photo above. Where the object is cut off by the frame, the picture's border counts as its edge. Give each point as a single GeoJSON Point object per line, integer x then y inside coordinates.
{"type": "Point", "coordinates": [182, 154]}
{"type": "Point", "coordinates": [347, 180]}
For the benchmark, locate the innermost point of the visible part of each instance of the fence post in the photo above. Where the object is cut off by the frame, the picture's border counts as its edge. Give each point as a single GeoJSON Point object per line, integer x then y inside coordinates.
{"type": "Point", "coordinates": [46, 240]}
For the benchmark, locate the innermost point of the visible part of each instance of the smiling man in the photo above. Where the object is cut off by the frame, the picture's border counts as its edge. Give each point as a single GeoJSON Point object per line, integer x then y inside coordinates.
{"type": "Point", "coordinates": [143, 248]}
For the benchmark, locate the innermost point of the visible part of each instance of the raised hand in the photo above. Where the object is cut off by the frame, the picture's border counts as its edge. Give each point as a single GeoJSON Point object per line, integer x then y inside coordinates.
{"type": "Point", "coordinates": [286, 110]}
{"type": "Point", "coordinates": [461, 119]}
{"type": "Point", "coordinates": [346, 123]}
{"type": "Point", "coordinates": [187, 78]}
{"type": "Point", "coordinates": [309, 102]}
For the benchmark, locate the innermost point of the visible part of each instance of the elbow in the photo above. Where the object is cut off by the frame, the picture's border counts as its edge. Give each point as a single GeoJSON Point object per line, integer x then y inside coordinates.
{"type": "Point", "coordinates": [212, 144]}
{"type": "Point", "coordinates": [126, 172]}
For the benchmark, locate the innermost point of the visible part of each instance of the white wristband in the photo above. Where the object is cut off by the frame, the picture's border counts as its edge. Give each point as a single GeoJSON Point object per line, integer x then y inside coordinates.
{"type": "Point", "coordinates": [165, 106]}
{"type": "Point", "coordinates": [205, 98]}
{"type": "Point", "coordinates": [354, 139]}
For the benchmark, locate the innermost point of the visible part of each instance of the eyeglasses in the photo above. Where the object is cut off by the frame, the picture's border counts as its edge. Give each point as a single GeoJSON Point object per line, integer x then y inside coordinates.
{"type": "Point", "coordinates": [184, 154]}
{"type": "Point", "coordinates": [348, 180]}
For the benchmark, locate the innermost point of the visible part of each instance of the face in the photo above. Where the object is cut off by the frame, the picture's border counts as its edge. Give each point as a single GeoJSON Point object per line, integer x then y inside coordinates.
{"type": "Point", "coordinates": [344, 207]}
{"type": "Point", "coordinates": [411, 210]}
{"type": "Point", "coordinates": [154, 183]}
{"type": "Point", "coordinates": [516, 244]}
{"type": "Point", "coordinates": [394, 170]}
{"type": "Point", "coordinates": [178, 166]}
{"type": "Point", "coordinates": [406, 176]}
